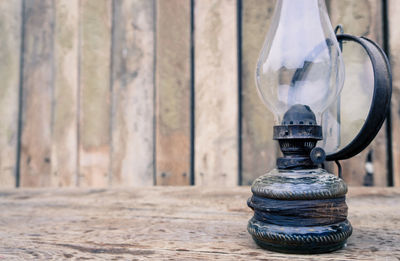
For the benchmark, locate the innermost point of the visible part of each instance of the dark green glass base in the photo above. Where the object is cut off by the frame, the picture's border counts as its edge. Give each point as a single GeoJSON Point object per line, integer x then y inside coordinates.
{"type": "Point", "coordinates": [300, 240]}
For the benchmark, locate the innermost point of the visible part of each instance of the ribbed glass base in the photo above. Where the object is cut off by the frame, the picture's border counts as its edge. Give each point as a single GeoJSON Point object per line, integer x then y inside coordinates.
{"type": "Point", "coordinates": [300, 240]}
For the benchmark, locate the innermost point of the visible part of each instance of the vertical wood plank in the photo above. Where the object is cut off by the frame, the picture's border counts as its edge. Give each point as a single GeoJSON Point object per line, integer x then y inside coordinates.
{"type": "Point", "coordinates": [38, 57]}
{"type": "Point", "coordinates": [394, 45]}
{"type": "Point", "coordinates": [133, 93]}
{"type": "Point", "coordinates": [10, 28]}
{"type": "Point", "coordinates": [362, 18]}
{"type": "Point", "coordinates": [173, 92]}
{"type": "Point", "coordinates": [65, 124]}
{"type": "Point", "coordinates": [95, 105]}
{"type": "Point", "coordinates": [259, 150]}
{"type": "Point", "coordinates": [216, 92]}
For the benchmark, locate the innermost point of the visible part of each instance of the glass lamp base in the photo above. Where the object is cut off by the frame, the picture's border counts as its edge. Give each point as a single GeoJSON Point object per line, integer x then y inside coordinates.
{"type": "Point", "coordinates": [299, 211]}
{"type": "Point", "coordinates": [300, 240]}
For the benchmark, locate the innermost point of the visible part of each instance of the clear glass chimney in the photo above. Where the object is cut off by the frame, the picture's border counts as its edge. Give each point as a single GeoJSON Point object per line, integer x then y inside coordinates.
{"type": "Point", "coordinates": [300, 62]}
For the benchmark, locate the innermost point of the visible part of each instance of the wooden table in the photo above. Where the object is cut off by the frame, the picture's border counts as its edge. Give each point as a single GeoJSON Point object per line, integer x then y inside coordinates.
{"type": "Point", "coordinates": [172, 223]}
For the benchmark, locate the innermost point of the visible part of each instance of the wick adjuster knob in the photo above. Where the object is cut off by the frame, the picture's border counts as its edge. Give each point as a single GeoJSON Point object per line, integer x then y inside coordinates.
{"type": "Point", "coordinates": [317, 155]}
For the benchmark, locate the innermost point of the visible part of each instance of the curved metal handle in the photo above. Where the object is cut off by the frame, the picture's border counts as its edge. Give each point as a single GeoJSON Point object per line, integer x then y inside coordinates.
{"type": "Point", "coordinates": [380, 99]}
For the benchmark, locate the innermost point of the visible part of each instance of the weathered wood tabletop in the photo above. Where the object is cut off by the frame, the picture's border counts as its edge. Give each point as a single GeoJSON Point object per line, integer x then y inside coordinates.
{"type": "Point", "coordinates": [172, 223]}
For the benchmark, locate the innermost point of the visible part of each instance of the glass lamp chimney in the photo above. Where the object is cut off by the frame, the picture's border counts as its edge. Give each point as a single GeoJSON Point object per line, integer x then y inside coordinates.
{"type": "Point", "coordinates": [300, 62]}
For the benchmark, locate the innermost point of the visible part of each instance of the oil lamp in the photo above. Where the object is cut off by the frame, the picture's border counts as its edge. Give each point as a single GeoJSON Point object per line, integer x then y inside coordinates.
{"type": "Point", "coordinates": [299, 207]}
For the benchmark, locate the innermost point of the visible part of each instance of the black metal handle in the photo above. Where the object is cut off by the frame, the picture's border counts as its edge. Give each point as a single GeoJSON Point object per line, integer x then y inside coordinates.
{"type": "Point", "coordinates": [380, 99]}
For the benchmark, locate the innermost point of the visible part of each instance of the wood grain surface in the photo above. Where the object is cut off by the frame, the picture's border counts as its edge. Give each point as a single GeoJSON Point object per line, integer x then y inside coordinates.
{"type": "Point", "coordinates": [10, 51]}
{"type": "Point", "coordinates": [37, 93]}
{"type": "Point", "coordinates": [133, 93]}
{"type": "Point", "coordinates": [216, 93]}
{"type": "Point", "coordinates": [360, 18]}
{"type": "Point", "coordinates": [259, 151]}
{"type": "Point", "coordinates": [173, 107]}
{"type": "Point", "coordinates": [156, 223]}
{"type": "Point", "coordinates": [64, 149]}
{"type": "Point", "coordinates": [95, 96]}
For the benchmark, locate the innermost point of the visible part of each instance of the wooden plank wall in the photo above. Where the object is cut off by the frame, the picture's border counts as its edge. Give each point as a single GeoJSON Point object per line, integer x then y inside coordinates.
{"type": "Point", "coordinates": [64, 152]}
{"type": "Point", "coordinates": [37, 93]}
{"type": "Point", "coordinates": [259, 151]}
{"type": "Point", "coordinates": [95, 96]}
{"type": "Point", "coordinates": [132, 84]}
{"type": "Point", "coordinates": [216, 92]}
{"type": "Point", "coordinates": [10, 26]}
{"type": "Point", "coordinates": [362, 18]}
{"type": "Point", "coordinates": [173, 83]}
{"type": "Point", "coordinates": [138, 93]}
{"type": "Point", "coordinates": [394, 49]}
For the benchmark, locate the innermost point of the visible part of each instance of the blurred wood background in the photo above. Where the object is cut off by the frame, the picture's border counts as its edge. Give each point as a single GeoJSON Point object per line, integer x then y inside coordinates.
{"type": "Point", "coordinates": [156, 92]}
